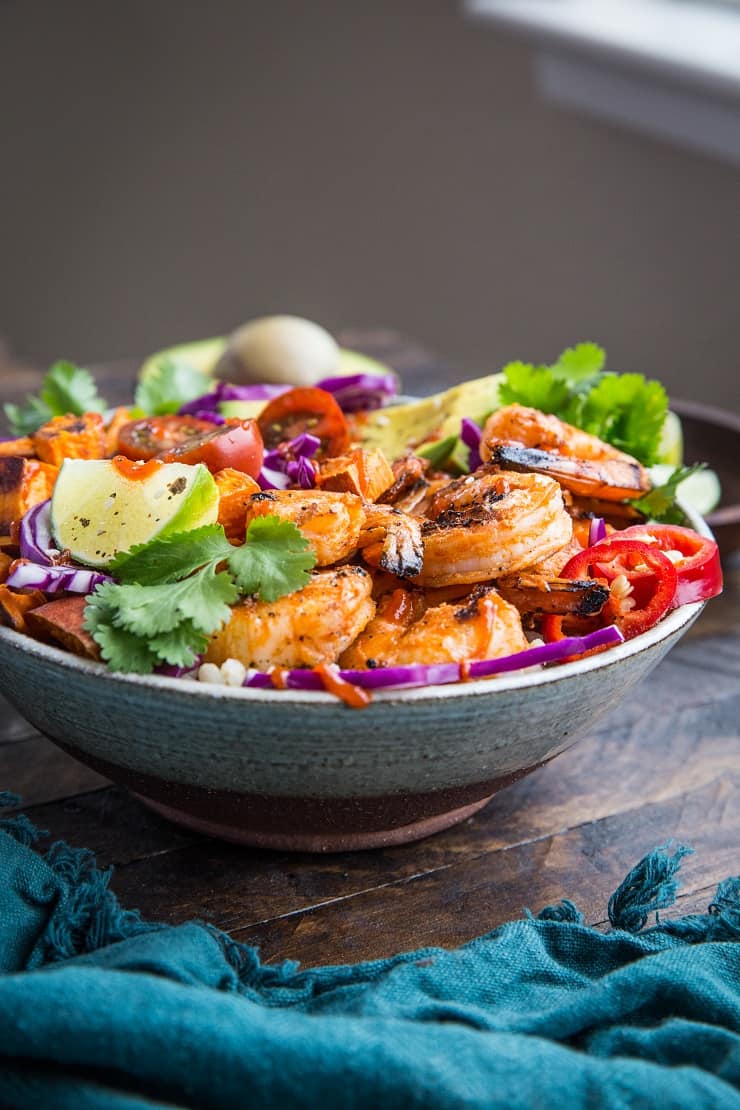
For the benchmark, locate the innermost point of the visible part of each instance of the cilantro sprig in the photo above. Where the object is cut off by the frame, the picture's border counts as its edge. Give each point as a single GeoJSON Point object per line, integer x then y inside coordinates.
{"type": "Point", "coordinates": [172, 594]}
{"type": "Point", "coordinates": [661, 504]}
{"type": "Point", "coordinates": [626, 410]}
{"type": "Point", "coordinates": [66, 388]}
{"type": "Point", "coordinates": [169, 385]}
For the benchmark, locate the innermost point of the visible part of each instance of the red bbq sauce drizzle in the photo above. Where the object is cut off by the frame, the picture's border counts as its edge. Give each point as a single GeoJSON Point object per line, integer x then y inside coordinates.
{"type": "Point", "coordinates": [353, 696]}
{"type": "Point", "coordinates": [135, 471]}
{"type": "Point", "coordinates": [279, 678]}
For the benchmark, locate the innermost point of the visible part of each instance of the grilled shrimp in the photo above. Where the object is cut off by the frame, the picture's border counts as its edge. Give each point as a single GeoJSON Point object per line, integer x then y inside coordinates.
{"type": "Point", "coordinates": [480, 626]}
{"type": "Point", "coordinates": [392, 540]}
{"type": "Point", "coordinates": [491, 523]}
{"type": "Point", "coordinates": [522, 439]}
{"type": "Point", "coordinates": [303, 629]}
{"type": "Point", "coordinates": [330, 522]}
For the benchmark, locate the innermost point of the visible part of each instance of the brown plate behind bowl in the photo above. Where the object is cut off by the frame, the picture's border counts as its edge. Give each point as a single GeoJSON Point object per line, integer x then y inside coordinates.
{"type": "Point", "coordinates": [712, 436]}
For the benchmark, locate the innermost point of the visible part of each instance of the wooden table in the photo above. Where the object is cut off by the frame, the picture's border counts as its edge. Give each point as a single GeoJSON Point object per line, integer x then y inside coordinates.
{"type": "Point", "coordinates": [665, 765]}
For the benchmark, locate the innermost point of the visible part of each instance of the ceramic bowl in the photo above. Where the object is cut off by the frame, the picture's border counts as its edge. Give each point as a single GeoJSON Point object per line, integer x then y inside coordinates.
{"type": "Point", "coordinates": [299, 770]}
{"type": "Point", "coordinates": [713, 435]}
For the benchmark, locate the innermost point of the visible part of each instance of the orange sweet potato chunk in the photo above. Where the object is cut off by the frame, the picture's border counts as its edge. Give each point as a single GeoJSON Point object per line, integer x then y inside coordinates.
{"type": "Point", "coordinates": [22, 446]}
{"type": "Point", "coordinates": [16, 604]}
{"type": "Point", "coordinates": [120, 417]}
{"type": "Point", "coordinates": [235, 489]}
{"type": "Point", "coordinates": [367, 473]}
{"type": "Point", "coordinates": [71, 437]}
{"type": "Point", "coordinates": [61, 622]}
{"type": "Point", "coordinates": [23, 483]}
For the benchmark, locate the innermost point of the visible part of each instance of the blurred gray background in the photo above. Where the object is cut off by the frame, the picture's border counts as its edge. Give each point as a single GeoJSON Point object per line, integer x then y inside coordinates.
{"type": "Point", "coordinates": [171, 169]}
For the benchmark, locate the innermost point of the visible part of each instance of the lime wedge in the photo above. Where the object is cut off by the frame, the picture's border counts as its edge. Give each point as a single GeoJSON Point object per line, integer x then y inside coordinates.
{"type": "Point", "coordinates": [670, 447]}
{"type": "Point", "coordinates": [700, 491]}
{"type": "Point", "coordinates": [97, 511]}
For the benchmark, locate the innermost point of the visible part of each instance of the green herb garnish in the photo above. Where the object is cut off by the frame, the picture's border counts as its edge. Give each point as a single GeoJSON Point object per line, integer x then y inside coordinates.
{"type": "Point", "coordinates": [66, 388]}
{"type": "Point", "coordinates": [169, 385]}
{"type": "Point", "coordinates": [173, 594]}
{"type": "Point", "coordinates": [626, 410]}
{"type": "Point", "coordinates": [660, 503]}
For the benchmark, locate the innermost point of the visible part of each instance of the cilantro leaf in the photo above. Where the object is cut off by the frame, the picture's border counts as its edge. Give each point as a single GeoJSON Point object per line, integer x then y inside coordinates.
{"type": "Point", "coordinates": [121, 649]}
{"type": "Point", "coordinates": [580, 363]}
{"type": "Point", "coordinates": [627, 411]}
{"type": "Point", "coordinates": [660, 503]}
{"type": "Point", "coordinates": [170, 385]}
{"type": "Point", "coordinates": [203, 599]}
{"type": "Point", "coordinates": [66, 388]}
{"type": "Point", "coordinates": [167, 560]}
{"type": "Point", "coordinates": [275, 560]}
{"type": "Point", "coordinates": [69, 388]}
{"type": "Point", "coordinates": [25, 419]}
{"type": "Point", "coordinates": [171, 596]}
{"type": "Point", "coordinates": [534, 386]}
{"type": "Point", "coordinates": [181, 646]}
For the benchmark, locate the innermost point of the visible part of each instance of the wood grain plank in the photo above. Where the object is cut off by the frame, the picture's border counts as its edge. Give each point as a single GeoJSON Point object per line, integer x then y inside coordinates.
{"type": "Point", "coordinates": [39, 772]}
{"type": "Point", "coordinates": [448, 909]}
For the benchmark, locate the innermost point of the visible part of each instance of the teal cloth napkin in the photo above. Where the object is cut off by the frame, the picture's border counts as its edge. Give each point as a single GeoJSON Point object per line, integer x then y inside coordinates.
{"type": "Point", "coordinates": [100, 1009]}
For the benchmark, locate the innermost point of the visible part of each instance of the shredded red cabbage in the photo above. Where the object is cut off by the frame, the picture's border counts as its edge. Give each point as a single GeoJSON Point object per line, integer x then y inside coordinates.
{"type": "Point", "coordinates": [210, 415]}
{"type": "Point", "coordinates": [354, 392]}
{"type": "Point", "coordinates": [170, 670]}
{"type": "Point", "coordinates": [208, 402]}
{"type": "Point", "coordinates": [51, 579]}
{"type": "Point", "coordinates": [470, 434]}
{"type": "Point", "coordinates": [596, 530]}
{"type": "Point", "coordinates": [35, 540]}
{"type": "Point", "coordinates": [438, 674]}
{"type": "Point", "coordinates": [289, 463]}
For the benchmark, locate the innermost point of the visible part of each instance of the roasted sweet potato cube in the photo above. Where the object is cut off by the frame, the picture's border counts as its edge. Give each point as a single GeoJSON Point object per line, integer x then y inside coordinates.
{"type": "Point", "coordinates": [235, 489]}
{"type": "Point", "coordinates": [23, 446]}
{"type": "Point", "coordinates": [367, 473]}
{"type": "Point", "coordinates": [6, 561]}
{"type": "Point", "coordinates": [71, 437]}
{"type": "Point", "coordinates": [120, 417]}
{"type": "Point", "coordinates": [16, 604]}
{"type": "Point", "coordinates": [23, 483]}
{"type": "Point", "coordinates": [62, 622]}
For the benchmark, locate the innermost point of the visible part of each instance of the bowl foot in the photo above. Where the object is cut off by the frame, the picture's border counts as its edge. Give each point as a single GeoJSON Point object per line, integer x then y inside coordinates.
{"type": "Point", "coordinates": [340, 841]}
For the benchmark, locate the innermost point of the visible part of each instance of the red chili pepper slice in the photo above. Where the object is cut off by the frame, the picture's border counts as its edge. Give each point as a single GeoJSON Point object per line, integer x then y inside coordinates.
{"type": "Point", "coordinates": [305, 410]}
{"type": "Point", "coordinates": [699, 570]}
{"type": "Point", "coordinates": [636, 603]}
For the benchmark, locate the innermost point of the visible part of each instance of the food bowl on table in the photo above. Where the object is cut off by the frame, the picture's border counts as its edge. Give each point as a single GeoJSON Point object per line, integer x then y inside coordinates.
{"type": "Point", "coordinates": [299, 770]}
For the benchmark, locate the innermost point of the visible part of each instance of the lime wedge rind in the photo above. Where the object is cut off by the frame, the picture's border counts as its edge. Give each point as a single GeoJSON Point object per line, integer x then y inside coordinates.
{"type": "Point", "coordinates": [97, 512]}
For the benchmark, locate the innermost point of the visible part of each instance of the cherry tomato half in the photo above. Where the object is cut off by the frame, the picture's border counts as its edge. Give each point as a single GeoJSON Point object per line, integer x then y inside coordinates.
{"type": "Point", "coordinates": [236, 444]}
{"type": "Point", "coordinates": [143, 439]}
{"type": "Point", "coordinates": [305, 410]}
{"type": "Point", "coordinates": [650, 581]}
{"type": "Point", "coordinates": [699, 570]}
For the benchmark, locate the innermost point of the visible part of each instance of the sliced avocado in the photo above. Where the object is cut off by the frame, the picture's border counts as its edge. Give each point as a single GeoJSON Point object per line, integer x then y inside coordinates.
{"type": "Point", "coordinates": [353, 362]}
{"type": "Point", "coordinates": [241, 410]}
{"type": "Point", "coordinates": [202, 354]}
{"type": "Point", "coordinates": [399, 427]}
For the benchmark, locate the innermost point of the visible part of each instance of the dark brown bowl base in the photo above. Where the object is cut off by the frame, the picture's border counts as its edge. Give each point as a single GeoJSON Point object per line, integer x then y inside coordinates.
{"type": "Point", "coordinates": [318, 841]}
{"type": "Point", "coordinates": [305, 824]}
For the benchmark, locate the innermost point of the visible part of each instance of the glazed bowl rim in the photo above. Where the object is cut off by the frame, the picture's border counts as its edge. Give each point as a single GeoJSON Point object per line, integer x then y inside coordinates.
{"type": "Point", "coordinates": [672, 623]}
